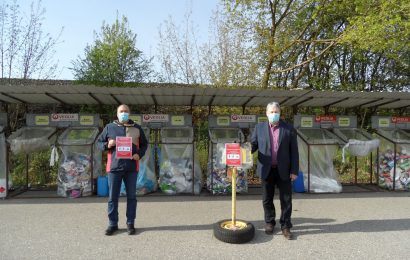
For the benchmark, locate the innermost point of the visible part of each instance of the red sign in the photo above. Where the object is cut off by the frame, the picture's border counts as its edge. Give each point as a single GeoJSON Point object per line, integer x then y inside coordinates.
{"type": "Point", "coordinates": [398, 120]}
{"type": "Point", "coordinates": [325, 118]}
{"type": "Point", "coordinates": [123, 147]}
{"type": "Point", "coordinates": [233, 155]}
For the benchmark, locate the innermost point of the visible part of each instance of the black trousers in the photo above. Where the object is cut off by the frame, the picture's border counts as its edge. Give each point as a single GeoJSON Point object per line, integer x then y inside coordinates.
{"type": "Point", "coordinates": [285, 195]}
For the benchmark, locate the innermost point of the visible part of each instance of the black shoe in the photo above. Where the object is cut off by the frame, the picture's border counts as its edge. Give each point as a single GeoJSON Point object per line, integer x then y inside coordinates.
{"type": "Point", "coordinates": [269, 228]}
{"type": "Point", "coordinates": [130, 229]}
{"type": "Point", "coordinates": [111, 230]}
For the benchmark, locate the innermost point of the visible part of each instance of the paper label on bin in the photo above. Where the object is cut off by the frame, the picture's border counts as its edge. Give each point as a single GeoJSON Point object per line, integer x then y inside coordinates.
{"type": "Point", "coordinates": [344, 121]}
{"type": "Point", "coordinates": [384, 122]}
{"type": "Point", "coordinates": [123, 147]}
{"type": "Point", "coordinates": [262, 119]}
{"type": "Point", "coordinates": [41, 120]}
{"type": "Point", "coordinates": [177, 120]}
{"type": "Point", "coordinates": [136, 119]}
{"type": "Point", "coordinates": [306, 122]}
{"type": "Point", "coordinates": [222, 121]}
{"type": "Point", "coordinates": [86, 120]}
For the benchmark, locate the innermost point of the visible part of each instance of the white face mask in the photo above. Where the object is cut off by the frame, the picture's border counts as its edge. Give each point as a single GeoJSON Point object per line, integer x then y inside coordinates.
{"type": "Point", "coordinates": [273, 118]}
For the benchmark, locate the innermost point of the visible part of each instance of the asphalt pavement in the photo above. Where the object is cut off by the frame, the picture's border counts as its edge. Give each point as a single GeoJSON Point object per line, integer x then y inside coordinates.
{"type": "Point", "coordinates": [367, 225]}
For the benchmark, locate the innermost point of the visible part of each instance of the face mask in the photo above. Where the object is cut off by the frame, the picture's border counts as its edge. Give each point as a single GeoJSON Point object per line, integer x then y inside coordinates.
{"type": "Point", "coordinates": [123, 117]}
{"type": "Point", "coordinates": [273, 118]}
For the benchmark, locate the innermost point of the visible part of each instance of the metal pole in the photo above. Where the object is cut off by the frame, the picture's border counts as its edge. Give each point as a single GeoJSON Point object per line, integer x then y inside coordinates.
{"type": "Point", "coordinates": [193, 167]}
{"type": "Point", "coordinates": [26, 171]}
{"type": "Point", "coordinates": [355, 170]}
{"type": "Point", "coordinates": [234, 196]}
{"type": "Point", "coordinates": [371, 167]}
{"type": "Point", "coordinates": [92, 168]}
{"type": "Point", "coordinates": [308, 168]}
{"type": "Point", "coordinates": [394, 173]}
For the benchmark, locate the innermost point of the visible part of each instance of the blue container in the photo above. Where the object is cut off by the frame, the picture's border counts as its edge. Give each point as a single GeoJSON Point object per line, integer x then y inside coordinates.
{"type": "Point", "coordinates": [298, 184]}
{"type": "Point", "coordinates": [102, 186]}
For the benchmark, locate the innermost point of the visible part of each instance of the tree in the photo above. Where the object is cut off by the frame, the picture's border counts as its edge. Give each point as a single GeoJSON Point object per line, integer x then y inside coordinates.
{"type": "Point", "coordinates": [114, 57]}
{"type": "Point", "coordinates": [25, 50]}
{"type": "Point", "coordinates": [179, 52]}
{"type": "Point", "coordinates": [227, 58]}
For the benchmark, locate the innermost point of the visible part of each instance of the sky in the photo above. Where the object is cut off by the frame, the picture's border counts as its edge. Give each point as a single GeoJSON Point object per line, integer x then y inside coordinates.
{"type": "Point", "coordinates": [80, 18]}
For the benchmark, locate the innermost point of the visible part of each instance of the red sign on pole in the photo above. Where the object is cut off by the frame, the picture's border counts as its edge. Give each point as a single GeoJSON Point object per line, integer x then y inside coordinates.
{"type": "Point", "coordinates": [123, 147]}
{"type": "Point", "coordinates": [233, 155]}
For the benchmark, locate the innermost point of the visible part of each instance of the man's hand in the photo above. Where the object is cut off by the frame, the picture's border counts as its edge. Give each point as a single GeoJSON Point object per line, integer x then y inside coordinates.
{"type": "Point", "coordinates": [111, 143]}
{"type": "Point", "coordinates": [293, 177]}
{"type": "Point", "coordinates": [136, 157]}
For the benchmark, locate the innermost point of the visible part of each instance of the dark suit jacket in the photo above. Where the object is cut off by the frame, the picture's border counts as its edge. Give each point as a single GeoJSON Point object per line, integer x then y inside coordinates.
{"type": "Point", "coordinates": [288, 155]}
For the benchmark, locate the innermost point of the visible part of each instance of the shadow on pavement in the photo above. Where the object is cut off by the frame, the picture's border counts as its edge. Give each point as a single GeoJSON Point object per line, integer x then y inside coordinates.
{"type": "Point", "coordinates": [370, 225]}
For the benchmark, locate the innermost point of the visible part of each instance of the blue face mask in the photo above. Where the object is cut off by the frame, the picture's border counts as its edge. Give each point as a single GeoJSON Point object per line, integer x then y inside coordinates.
{"type": "Point", "coordinates": [123, 116]}
{"type": "Point", "coordinates": [273, 118]}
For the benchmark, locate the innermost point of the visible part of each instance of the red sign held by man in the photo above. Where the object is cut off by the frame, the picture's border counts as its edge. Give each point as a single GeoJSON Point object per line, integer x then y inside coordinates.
{"type": "Point", "coordinates": [123, 147]}
{"type": "Point", "coordinates": [233, 155]}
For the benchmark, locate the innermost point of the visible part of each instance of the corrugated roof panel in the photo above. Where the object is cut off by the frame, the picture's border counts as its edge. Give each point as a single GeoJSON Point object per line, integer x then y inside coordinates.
{"type": "Point", "coordinates": [397, 104]}
{"type": "Point", "coordinates": [260, 101]}
{"type": "Point", "coordinates": [4, 98]}
{"type": "Point", "coordinates": [135, 99]}
{"type": "Point", "coordinates": [318, 102]}
{"type": "Point", "coordinates": [106, 99]}
{"type": "Point", "coordinates": [378, 102]}
{"type": "Point", "coordinates": [36, 98]}
{"type": "Point", "coordinates": [76, 99]}
{"type": "Point", "coordinates": [202, 100]}
{"type": "Point", "coordinates": [229, 101]}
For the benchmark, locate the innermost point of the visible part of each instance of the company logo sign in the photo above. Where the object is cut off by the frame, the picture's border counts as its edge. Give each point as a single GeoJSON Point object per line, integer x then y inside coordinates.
{"type": "Point", "coordinates": [325, 118]}
{"type": "Point", "coordinates": [155, 118]}
{"type": "Point", "coordinates": [399, 120]}
{"type": "Point", "coordinates": [64, 117]}
{"type": "Point", "coordinates": [243, 118]}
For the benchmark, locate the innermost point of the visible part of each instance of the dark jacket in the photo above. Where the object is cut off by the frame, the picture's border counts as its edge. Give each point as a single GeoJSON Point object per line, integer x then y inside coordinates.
{"type": "Point", "coordinates": [288, 155]}
{"type": "Point", "coordinates": [139, 145]}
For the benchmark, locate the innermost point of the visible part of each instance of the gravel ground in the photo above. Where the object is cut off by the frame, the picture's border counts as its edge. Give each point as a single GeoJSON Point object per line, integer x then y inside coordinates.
{"type": "Point", "coordinates": [373, 225]}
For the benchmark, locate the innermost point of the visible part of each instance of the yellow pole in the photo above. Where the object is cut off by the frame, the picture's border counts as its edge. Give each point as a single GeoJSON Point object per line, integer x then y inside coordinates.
{"type": "Point", "coordinates": [234, 196]}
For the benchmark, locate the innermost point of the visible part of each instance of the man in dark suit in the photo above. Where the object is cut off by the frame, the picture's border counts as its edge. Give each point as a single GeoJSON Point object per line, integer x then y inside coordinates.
{"type": "Point", "coordinates": [278, 164]}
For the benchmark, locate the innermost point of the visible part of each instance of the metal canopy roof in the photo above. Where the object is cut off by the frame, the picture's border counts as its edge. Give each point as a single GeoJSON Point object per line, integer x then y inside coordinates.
{"type": "Point", "coordinates": [70, 93]}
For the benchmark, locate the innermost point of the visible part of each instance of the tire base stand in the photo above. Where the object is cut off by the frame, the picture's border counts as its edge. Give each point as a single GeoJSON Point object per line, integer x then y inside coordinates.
{"type": "Point", "coordinates": [232, 230]}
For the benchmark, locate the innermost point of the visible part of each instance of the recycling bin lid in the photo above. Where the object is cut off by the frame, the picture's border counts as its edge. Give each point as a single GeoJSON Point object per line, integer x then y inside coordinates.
{"type": "Point", "coordinates": [319, 136]}
{"type": "Point", "coordinates": [226, 135]}
{"type": "Point", "coordinates": [177, 134]}
{"type": "Point", "coordinates": [352, 133]}
{"type": "Point", "coordinates": [32, 132]}
{"type": "Point", "coordinates": [78, 136]}
{"type": "Point", "coordinates": [396, 135]}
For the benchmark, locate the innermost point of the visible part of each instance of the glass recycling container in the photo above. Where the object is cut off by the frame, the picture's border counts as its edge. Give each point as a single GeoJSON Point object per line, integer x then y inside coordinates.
{"type": "Point", "coordinates": [3, 157]}
{"type": "Point", "coordinates": [180, 171]}
{"type": "Point", "coordinates": [393, 160]}
{"type": "Point", "coordinates": [80, 162]}
{"type": "Point", "coordinates": [222, 131]}
{"type": "Point", "coordinates": [317, 149]}
{"type": "Point", "coordinates": [357, 142]}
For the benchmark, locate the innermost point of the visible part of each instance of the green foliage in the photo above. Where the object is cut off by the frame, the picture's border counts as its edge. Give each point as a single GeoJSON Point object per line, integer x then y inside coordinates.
{"type": "Point", "coordinates": [380, 26]}
{"type": "Point", "coordinates": [40, 174]}
{"type": "Point", "coordinates": [114, 58]}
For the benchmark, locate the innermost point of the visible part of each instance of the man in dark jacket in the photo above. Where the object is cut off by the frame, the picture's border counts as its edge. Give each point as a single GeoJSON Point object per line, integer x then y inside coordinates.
{"type": "Point", "coordinates": [119, 169]}
{"type": "Point", "coordinates": [278, 164]}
